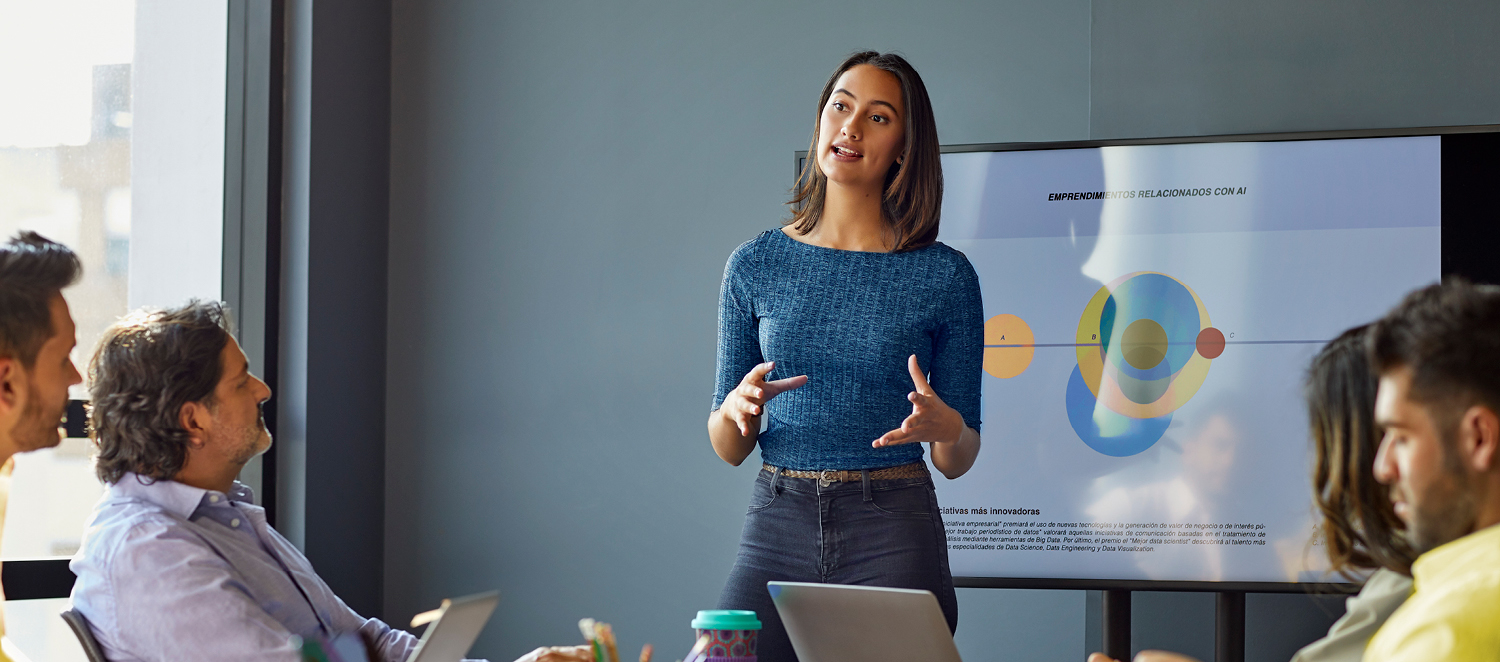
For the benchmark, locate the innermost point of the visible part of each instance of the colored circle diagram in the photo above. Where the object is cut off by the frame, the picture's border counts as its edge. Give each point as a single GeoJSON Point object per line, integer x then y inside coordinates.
{"type": "Point", "coordinates": [1144, 346]}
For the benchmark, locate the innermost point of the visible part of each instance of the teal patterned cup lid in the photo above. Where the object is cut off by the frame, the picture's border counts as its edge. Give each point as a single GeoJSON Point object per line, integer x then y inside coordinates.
{"type": "Point", "coordinates": [726, 619]}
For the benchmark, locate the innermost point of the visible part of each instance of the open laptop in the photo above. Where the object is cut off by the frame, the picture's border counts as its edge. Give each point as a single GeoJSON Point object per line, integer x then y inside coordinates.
{"type": "Point", "coordinates": [835, 623]}
{"type": "Point", "coordinates": [453, 627]}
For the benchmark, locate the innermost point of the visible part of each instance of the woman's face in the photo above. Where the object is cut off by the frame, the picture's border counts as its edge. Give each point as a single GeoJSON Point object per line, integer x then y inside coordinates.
{"type": "Point", "coordinates": [862, 130]}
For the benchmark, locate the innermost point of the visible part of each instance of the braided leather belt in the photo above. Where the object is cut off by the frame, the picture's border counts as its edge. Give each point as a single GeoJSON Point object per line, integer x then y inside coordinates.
{"type": "Point", "coordinates": [913, 470]}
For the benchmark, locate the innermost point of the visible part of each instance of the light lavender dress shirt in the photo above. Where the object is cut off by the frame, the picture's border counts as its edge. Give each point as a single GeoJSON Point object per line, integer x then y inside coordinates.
{"type": "Point", "coordinates": [172, 572]}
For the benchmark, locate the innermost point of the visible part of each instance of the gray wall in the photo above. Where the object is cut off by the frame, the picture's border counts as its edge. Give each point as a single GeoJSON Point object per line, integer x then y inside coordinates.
{"type": "Point", "coordinates": [567, 179]}
{"type": "Point", "coordinates": [1186, 67]}
{"type": "Point", "coordinates": [330, 404]}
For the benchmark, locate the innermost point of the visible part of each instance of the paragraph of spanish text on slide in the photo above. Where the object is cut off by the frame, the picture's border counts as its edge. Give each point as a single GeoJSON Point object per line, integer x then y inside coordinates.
{"type": "Point", "coordinates": [1006, 536]}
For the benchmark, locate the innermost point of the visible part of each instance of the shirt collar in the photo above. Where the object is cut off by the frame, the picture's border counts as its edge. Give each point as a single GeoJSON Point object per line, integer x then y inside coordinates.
{"type": "Point", "coordinates": [173, 496]}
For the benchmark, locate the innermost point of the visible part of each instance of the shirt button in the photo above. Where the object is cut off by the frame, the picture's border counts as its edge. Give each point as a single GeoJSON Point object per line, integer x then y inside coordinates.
{"type": "Point", "coordinates": [213, 498]}
{"type": "Point", "coordinates": [234, 522]}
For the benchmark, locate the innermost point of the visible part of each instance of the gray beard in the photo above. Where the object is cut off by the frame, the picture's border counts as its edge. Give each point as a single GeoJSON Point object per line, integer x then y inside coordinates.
{"type": "Point", "coordinates": [249, 439]}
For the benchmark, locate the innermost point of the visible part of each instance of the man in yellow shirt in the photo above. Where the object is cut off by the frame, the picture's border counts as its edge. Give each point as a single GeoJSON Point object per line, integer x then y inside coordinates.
{"type": "Point", "coordinates": [36, 337]}
{"type": "Point", "coordinates": [1438, 355]}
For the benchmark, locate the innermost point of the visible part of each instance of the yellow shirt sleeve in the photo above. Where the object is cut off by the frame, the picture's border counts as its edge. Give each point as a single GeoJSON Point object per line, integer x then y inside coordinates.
{"type": "Point", "coordinates": [1457, 627]}
{"type": "Point", "coordinates": [1438, 641]}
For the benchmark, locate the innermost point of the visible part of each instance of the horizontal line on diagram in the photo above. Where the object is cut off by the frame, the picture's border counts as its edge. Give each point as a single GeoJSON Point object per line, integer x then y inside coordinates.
{"type": "Point", "coordinates": [1227, 342]}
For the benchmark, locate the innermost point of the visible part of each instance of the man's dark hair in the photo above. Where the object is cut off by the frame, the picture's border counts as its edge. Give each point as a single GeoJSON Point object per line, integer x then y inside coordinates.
{"type": "Point", "coordinates": [146, 368]}
{"type": "Point", "coordinates": [33, 269]}
{"type": "Point", "coordinates": [1448, 335]}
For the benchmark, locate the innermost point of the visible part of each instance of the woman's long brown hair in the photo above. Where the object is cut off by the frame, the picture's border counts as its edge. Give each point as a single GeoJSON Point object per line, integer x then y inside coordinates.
{"type": "Point", "coordinates": [913, 188]}
{"type": "Point", "coordinates": [1360, 529]}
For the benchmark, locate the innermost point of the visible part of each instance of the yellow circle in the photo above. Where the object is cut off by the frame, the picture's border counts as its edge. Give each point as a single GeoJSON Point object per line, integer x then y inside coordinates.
{"type": "Point", "coordinates": [1090, 347]}
{"type": "Point", "coordinates": [1008, 346]}
{"type": "Point", "coordinates": [1144, 344]}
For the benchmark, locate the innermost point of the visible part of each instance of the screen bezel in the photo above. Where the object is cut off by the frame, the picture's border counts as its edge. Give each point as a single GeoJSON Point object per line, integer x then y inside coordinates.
{"type": "Point", "coordinates": [1468, 226]}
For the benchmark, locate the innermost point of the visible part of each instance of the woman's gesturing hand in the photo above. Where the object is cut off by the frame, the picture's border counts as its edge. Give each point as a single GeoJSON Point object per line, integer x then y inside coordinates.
{"type": "Point", "coordinates": [930, 420]}
{"type": "Point", "coordinates": [748, 400]}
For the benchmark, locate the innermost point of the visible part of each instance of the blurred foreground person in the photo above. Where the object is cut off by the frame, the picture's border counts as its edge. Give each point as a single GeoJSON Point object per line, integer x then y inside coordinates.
{"type": "Point", "coordinates": [178, 562]}
{"type": "Point", "coordinates": [1438, 355]}
{"type": "Point", "coordinates": [36, 337]}
{"type": "Point", "coordinates": [1360, 529]}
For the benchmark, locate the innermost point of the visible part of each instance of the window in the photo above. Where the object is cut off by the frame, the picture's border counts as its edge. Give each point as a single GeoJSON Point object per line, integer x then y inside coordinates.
{"type": "Point", "coordinates": [139, 134]}
{"type": "Point", "coordinates": [65, 139]}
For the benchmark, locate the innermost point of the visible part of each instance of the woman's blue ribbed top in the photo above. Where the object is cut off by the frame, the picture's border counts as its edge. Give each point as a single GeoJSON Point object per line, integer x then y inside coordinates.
{"type": "Point", "coordinates": [848, 320]}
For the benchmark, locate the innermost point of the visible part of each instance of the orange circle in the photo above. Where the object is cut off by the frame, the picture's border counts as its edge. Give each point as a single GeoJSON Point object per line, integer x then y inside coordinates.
{"type": "Point", "coordinates": [1008, 346]}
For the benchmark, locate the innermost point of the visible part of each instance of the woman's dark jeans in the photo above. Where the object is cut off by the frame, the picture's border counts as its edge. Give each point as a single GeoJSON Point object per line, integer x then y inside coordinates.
{"type": "Point", "coordinates": [870, 532]}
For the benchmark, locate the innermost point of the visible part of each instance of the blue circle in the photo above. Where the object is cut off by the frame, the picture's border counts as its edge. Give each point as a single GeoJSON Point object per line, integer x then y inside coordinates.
{"type": "Point", "coordinates": [1160, 299]}
{"type": "Point", "coordinates": [1106, 430]}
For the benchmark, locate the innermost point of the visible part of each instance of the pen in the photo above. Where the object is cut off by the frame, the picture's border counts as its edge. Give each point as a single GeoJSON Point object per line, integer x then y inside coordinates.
{"type": "Point", "coordinates": [590, 629]}
{"type": "Point", "coordinates": [609, 642]}
{"type": "Point", "coordinates": [698, 648]}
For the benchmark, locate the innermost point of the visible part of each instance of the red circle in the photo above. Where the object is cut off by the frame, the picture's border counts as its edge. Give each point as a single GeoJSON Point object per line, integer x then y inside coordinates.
{"type": "Point", "coordinates": [1210, 343]}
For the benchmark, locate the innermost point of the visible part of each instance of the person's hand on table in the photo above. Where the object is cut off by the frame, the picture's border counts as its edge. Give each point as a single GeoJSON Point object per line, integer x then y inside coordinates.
{"type": "Point", "coordinates": [559, 654]}
{"type": "Point", "coordinates": [1146, 656]}
{"type": "Point", "coordinates": [931, 419]}
{"type": "Point", "coordinates": [748, 400]}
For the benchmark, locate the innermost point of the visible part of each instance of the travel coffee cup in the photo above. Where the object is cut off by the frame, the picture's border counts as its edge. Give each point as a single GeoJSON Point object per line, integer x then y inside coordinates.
{"type": "Point", "coordinates": [731, 633]}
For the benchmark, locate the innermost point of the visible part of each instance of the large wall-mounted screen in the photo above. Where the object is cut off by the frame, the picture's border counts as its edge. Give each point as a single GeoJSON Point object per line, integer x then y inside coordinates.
{"type": "Point", "coordinates": [1151, 311]}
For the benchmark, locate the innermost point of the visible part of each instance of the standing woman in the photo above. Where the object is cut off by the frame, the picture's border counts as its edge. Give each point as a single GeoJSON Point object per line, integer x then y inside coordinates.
{"type": "Point", "coordinates": [825, 328]}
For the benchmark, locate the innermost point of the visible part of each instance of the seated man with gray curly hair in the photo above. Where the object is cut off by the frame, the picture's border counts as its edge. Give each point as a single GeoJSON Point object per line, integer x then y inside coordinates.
{"type": "Point", "coordinates": [178, 562]}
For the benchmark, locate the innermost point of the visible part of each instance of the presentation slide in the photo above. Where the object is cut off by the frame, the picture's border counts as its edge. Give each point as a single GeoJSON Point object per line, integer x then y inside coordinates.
{"type": "Point", "coordinates": [1151, 312]}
